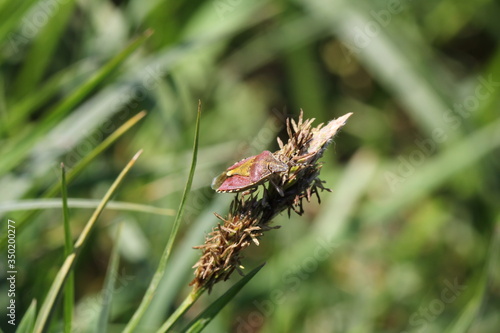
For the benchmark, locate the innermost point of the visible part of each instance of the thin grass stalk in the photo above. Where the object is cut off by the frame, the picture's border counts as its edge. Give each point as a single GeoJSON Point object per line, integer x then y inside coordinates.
{"type": "Point", "coordinates": [79, 167]}
{"type": "Point", "coordinates": [28, 322]}
{"type": "Point", "coordinates": [48, 305]}
{"type": "Point", "coordinates": [181, 309]}
{"type": "Point", "coordinates": [109, 284]}
{"type": "Point", "coordinates": [13, 157]}
{"type": "Point", "coordinates": [204, 318]}
{"type": "Point", "coordinates": [69, 288]}
{"type": "Point", "coordinates": [36, 204]}
{"type": "Point", "coordinates": [160, 271]}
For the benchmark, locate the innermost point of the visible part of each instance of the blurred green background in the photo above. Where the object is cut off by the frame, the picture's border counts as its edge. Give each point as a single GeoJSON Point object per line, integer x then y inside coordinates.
{"type": "Point", "coordinates": [408, 240]}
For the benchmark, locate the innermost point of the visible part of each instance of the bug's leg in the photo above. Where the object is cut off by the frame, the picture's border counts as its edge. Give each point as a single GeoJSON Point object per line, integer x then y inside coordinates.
{"type": "Point", "coordinates": [249, 191]}
{"type": "Point", "coordinates": [265, 195]}
{"type": "Point", "coordinates": [277, 187]}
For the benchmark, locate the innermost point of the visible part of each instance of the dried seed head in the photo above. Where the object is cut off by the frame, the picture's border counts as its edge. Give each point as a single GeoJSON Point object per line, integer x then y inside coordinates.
{"type": "Point", "coordinates": [249, 215]}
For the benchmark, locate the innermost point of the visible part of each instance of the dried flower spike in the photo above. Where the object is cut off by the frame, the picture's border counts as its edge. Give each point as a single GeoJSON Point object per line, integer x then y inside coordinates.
{"type": "Point", "coordinates": [293, 173]}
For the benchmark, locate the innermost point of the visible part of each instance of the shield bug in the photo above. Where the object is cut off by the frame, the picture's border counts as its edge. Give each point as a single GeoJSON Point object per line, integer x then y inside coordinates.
{"type": "Point", "coordinates": [248, 173]}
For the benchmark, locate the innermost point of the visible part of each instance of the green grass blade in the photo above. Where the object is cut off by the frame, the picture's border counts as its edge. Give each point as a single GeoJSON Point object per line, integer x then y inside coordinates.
{"type": "Point", "coordinates": [36, 204]}
{"type": "Point", "coordinates": [48, 304]}
{"type": "Point", "coordinates": [475, 146]}
{"type": "Point", "coordinates": [200, 322]}
{"type": "Point", "coordinates": [11, 13]}
{"type": "Point", "coordinates": [79, 167]}
{"type": "Point", "coordinates": [28, 320]}
{"type": "Point", "coordinates": [109, 284]}
{"type": "Point", "coordinates": [69, 288]}
{"type": "Point", "coordinates": [466, 318]}
{"type": "Point", "coordinates": [411, 86]}
{"type": "Point", "coordinates": [160, 271]}
{"type": "Point", "coordinates": [464, 321]}
{"type": "Point", "coordinates": [12, 157]}
{"type": "Point", "coordinates": [20, 110]}
{"type": "Point", "coordinates": [181, 309]}
{"type": "Point", "coordinates": [332, 222]}
{"type": "Point", "coordinates": [181, 262]}
{"type": "Point", "coordinates": [83, 236]}
{"type": "Point", "coordinates": [42, 49]}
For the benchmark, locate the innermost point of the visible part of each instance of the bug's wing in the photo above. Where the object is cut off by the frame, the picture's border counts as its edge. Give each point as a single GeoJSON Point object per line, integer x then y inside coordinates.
{"type": "Point", "coordinates": [242, 162]}
{"type": "Point", "coordinates": [264, 165]}
{"type": "Point", "coordinates": [259, 170]}
{"type": "Point", "coordinates": [218, 181]}
{"type": "Point", "coordinates": [235, 183]}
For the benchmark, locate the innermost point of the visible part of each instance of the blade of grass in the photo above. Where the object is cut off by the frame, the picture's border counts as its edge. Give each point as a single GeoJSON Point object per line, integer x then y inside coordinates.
{"type": "Point", "coordinates": [181, 309]}
{"type": "Point", "coordinates": [83, 236]}
{"type": "Point", "coordinates": [339, 207]}
{"type": "Point", "coordinates": [28, 321]}
{"type": "Point", "coordinates": [11, 14]}
{"type": "Point", "coordinates": [78, 168]}
{"type": "Point", "coordinates": [411, 86]}
{"type": "Point", "coordinates": [19, 111]}
{"type": "Point", "coordinates": [69, 288]}
{"type": "Point", "coordinates": [181, 262]}
{"type": "Point", "coordinates": [22, 205]}
{"type": "Point", "coordinates": [204, 318]}
{"type": "Point", "coordinates": [109, 284]}
{"type": "Point", "coordinates": [41, 50]}
{"type": "Point", "coordinates": [160, 271]}
{"type": "Point", "coordinates": [48, 304]}
{"type": "Point", "coordinates": [464, 322]}
{"type": "Point", "coordinates": [426, 178]}
{"type": "Point", "coordinates": [12, 157]}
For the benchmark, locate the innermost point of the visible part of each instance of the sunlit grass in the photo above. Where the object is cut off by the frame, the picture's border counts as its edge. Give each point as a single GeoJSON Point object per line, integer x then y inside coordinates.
{"type": "Point", "coordinates": [414, 174]}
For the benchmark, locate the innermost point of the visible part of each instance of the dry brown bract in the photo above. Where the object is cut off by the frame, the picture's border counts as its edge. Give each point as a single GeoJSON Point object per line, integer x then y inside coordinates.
{"type": "Point", "coordinates": [249, 215]}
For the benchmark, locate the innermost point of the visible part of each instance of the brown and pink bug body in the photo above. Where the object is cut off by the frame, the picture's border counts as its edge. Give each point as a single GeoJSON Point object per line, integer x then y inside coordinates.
{"type": "Point", "coordinates": [248, 173]}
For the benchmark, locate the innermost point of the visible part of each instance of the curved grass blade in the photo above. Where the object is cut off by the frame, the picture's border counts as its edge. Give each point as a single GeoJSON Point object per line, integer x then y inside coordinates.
{"type": "Point", "coordinates": [475, 146]}
{"type": "Point", "coordinates": [109, 285]}
{"type": "Point", "coordinates": [48, 304]}
{"type": "Point", "coordinates": [28, 321]}
{"type": "Point", "coordinates": [160, 271]}
{"type": "Point", "coordinates": [69, 288]}
{"type": "Point", "coordinates": [202, 320]}
{"type": "Point", "coordinates": [99, 149]}
{"type": "Point", "coordinates": [180, 263]}
{"type": "Point", "coordinates": [466, 318]}
{"type": "Point", "coordinates": [414, 84]}
{"type": "Point", "coordinates": [78, 168]}
{"type": "Point", "coordinates": [41, 50]}
{"type": "Point", "coordinates": [36, 204]}
{"type": "Point", "coordinates": [22, 109]}
{"type": "Point", "coordinates": [11, 13]}
{"type": "Point", "coordinates": [181, 309]}
{"type": "Point", "coordinates": [12, 157]}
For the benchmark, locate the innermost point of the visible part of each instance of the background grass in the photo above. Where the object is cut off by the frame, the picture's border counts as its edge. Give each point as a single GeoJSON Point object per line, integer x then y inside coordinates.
{"type": "Point", "coordinates": [414, 173]}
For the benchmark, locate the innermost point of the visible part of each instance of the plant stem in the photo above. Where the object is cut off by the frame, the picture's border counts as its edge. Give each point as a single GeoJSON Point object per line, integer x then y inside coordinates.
{"type": "Point", "coordinates": [181, 309]}
{"type": "Point", "coordinates": [162, 265]}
